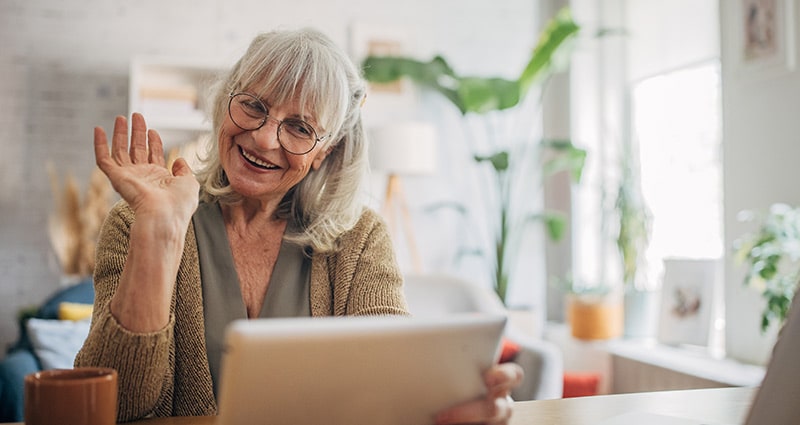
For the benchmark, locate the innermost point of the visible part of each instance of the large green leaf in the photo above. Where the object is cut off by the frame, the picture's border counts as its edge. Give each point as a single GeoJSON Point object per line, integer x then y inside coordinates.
{"type": "Point", "coordinates": [545, 57]}
{"type": "Point", "coordinates": [479, 94]}
{"type": "Point", "coordinates": [567, 157]}
{"type": "Point", "coordinates": [436, 74]}
{"type": "Point", "coordinates": [499, 160]}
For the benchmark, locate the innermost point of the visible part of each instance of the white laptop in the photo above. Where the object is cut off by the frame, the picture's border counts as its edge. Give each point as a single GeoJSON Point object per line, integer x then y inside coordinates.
{"type": "Point", "coordinates": [778, 399]}
{"type": "Point", "coordinates": [354, 370]}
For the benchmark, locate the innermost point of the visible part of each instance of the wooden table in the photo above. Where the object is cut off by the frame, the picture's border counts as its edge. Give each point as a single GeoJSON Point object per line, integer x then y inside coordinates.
{"type": "Point", "coordinates": [718, 405]}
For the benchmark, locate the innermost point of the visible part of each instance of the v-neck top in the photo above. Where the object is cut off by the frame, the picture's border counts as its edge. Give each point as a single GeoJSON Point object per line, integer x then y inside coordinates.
{"type": "Point", "coordinates": [287, 294]}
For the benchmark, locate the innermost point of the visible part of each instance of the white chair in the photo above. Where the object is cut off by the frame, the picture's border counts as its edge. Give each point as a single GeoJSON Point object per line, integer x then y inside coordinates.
{"type": "Point", "coordinates": [432, 295]}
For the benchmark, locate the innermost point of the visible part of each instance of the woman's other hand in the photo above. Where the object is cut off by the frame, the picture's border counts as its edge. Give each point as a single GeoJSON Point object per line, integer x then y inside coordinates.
{"type": "Point", "coordinates": [138, 172]}
{"type": "Point", "coordinates": [496, 407]}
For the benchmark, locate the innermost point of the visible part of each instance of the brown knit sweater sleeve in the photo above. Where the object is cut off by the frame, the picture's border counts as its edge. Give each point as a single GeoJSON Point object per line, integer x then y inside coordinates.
{"type": "Point", "coordinates": [141, 360]}
{"type": "Point", "coordinates": [364, 274]}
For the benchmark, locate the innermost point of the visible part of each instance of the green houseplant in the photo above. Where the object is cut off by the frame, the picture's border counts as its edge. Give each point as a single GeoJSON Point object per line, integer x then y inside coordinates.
{"type": "Point", "coordinates": [484, 99]}
{"type": "Point", "coordinates": [771, 254]}
{"type": "Point", "coordinates": [632, 239]}
{"type": "Point", "coordinates": [633, 234]}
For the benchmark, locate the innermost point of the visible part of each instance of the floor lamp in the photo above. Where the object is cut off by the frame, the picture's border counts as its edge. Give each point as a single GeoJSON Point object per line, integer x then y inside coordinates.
{"type": "Point", "coordinates": [402, 149]}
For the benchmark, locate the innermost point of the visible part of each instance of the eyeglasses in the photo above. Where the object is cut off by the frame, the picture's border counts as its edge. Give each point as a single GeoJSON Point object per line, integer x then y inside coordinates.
{"type": "Point", "coordinates": [294, 135]}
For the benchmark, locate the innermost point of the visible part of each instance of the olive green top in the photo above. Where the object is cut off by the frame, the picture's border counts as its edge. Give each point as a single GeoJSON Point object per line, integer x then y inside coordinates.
{"type": "Point", "coordinates": [287, 292]}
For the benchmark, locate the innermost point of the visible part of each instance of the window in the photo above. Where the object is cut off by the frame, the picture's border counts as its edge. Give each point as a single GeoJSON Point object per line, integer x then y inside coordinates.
{"type": "Point", "coordinates": [676, 122]}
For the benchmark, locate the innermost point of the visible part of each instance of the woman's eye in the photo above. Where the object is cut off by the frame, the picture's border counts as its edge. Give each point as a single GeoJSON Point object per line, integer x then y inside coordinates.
{"type": "Point", "coordinates": [299, 128]}
{"type": "Point", "coordinates": [254, 108]}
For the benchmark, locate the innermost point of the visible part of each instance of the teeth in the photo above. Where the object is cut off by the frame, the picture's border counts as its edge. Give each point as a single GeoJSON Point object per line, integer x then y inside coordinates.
{"type": "Point", "coordinates": [255, 160]}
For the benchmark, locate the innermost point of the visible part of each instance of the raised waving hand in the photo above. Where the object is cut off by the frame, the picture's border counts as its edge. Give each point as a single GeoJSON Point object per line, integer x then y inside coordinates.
{"type": "Point", "coordinates": [138, 172]}
{"type": "Point", "coordinates": [163, 202]}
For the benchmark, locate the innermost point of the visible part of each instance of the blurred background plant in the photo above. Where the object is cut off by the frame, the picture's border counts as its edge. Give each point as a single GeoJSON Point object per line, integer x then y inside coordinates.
{"type": "Point", "coordinates": [75, 222]}
{"type": "Point", "coordinates": [634, 221]}
{"type": "Point", "coordinates": [497, 109]}
{"type": "Point", "coordinates": [771, 254]}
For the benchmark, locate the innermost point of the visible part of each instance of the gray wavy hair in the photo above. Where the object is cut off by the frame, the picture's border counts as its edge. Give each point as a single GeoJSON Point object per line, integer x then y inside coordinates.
{"type": "Point", "coordinates": [307, 66]}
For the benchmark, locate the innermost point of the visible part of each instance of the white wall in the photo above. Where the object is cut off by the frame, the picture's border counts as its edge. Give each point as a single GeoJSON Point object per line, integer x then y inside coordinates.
{"type": "Point", "coordinates": [760, 150]}
{"type": "Point", "coordinates": [64, 65]}
{"type": "Point", "coordinates": [760, 125]}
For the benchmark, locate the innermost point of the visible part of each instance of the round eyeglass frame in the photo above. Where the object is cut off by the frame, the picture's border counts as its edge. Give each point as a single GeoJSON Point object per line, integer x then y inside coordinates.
{"type": "Point", "coordinates": [266, 117]}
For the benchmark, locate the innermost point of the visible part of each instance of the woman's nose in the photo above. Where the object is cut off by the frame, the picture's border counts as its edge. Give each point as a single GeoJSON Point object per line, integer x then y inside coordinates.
{"type": "Point", "coordinates": [266, 136]}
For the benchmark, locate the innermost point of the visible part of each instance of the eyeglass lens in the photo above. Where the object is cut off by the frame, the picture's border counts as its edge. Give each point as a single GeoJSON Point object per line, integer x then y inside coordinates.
{"type": "Point", "coordinates": [249, 113]}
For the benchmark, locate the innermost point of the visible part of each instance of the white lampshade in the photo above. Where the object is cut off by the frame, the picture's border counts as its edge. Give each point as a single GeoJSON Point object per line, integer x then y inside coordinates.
{"type": "Point", "coordinates": [403, 148]}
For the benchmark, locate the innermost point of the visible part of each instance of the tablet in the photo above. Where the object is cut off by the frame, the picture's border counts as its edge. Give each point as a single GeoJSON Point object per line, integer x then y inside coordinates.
{"type": "Point", "coordinates": [354, 370]}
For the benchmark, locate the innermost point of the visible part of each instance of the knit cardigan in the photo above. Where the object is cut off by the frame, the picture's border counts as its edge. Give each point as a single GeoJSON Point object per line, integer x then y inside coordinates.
{"type": "Point", "coordinates": [166, 373]}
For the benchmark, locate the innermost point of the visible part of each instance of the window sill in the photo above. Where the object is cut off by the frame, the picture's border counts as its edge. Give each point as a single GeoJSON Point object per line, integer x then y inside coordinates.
{"type": "Point", "coordinates": [692, 361]}
{"type": "Point", "coordinates": [661, 361]}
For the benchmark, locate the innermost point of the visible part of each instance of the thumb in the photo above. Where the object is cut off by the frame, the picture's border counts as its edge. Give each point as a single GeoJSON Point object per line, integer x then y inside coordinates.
{"type": "Point", "coordinates": [181, 168]}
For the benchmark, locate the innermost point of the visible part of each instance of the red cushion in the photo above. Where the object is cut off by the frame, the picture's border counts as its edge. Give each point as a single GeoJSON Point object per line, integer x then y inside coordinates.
{"type": "Point", "coordinates": [580, 384]}
{"type": "Point", "coordinates": [509, 351]}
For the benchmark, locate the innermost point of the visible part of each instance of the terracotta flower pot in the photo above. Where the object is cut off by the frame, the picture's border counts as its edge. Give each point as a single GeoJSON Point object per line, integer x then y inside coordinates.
{"type": "Point", "coordinates": [595, 316]}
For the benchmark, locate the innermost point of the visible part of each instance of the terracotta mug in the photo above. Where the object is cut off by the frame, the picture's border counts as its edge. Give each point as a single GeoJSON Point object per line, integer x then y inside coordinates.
{"type": "Point", "coordinates": [80, 396]}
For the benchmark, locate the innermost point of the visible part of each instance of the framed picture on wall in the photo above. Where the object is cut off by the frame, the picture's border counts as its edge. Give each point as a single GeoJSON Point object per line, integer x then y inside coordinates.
{"type": "Point", "coordinates": [385, 103]}
{"type": "Point", "coordinates": [380, 40]}
{"type": "Point", "coordinates": [686, 301]}
{"type": "Point", "coordinates": [763, 37]}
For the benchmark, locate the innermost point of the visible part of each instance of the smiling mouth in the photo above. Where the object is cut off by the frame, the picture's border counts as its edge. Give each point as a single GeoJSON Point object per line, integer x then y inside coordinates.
{"type": "Point", "coordinates": [256, 162]}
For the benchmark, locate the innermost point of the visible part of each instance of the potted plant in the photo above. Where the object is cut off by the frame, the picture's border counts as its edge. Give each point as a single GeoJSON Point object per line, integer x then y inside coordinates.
{"type": "Point", "coordinates": [771, 254]}
{"type": "Point", "coordinates": [632, 238]}
{"type": "Point", "coordinates": [485, 101]}
{"type": "Point", "coordinates": [594, 311]}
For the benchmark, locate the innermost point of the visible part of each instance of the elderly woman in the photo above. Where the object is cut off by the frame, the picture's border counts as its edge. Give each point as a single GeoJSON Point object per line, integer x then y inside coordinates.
{"type": "Point", "coordinates": [276, 230]}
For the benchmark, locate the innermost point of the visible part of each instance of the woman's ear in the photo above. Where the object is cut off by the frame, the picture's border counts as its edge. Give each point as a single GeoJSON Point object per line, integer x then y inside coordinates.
{"type": "Point", "coordinates": [320, 157]}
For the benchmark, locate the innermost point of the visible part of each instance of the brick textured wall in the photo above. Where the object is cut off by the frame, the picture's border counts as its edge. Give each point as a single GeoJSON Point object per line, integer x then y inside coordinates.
{"type": "Point", "coordinates": [64, 69]}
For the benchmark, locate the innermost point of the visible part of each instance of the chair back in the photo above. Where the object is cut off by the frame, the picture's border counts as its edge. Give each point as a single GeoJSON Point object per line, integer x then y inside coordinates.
{"type": "Point", "coordinates": [439, 294]}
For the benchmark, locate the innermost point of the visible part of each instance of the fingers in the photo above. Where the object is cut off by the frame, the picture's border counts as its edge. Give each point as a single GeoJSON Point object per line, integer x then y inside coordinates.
{"type": "Point", "coordinates": [496, 407]}
{"type": "Point", "coordinates": [100, 147]}
{"type": "Point", "coordinates": [484, 411]}
{"type": "Point", "coordinates": [145, 145]}
{"type": "Point", "coordinates": [138, 150]}
{"type": "Point", "coordinates": [156, 148]}
{"type": "Point", "coordinates": [502, 378]}
{"type": "Point", "coordinates": [119, 141]}
{"type": "Point", "coordinates": [181, 168]}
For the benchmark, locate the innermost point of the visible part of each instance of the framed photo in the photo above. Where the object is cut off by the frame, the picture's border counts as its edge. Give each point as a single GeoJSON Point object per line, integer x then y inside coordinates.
{"type": "Point", "coordinates": [686, 301]}
{"type": "Point", "coordinates": [385, 103]}
{"type": "Point", "coordinates": [368, 39]}
{"type": "Point", "coordinates": [764, 37]}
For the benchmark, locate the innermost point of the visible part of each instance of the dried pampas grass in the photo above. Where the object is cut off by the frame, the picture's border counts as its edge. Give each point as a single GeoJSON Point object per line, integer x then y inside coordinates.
{"type": "Point", "coordinates": [74, 225]}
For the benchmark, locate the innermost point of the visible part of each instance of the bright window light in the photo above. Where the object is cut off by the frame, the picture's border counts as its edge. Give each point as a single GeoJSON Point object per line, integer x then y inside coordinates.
{"type": "Point", "coordinates": [677, 126]}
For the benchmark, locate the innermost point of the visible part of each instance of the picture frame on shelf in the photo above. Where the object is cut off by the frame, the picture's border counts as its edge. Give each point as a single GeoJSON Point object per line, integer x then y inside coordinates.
{"type": "Point", "coordinates": [687, 296]}
{"type": "Point", "coordinates": [763, 38]}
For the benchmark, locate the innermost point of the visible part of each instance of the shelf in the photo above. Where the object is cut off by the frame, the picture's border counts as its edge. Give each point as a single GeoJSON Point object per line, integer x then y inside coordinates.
{"type": "Point", "coordinates": [172, 94]}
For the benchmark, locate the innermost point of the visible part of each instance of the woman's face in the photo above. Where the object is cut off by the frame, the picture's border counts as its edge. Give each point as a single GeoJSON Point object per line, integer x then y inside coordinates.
{"type": "Point", "coordinates": [256, 165]}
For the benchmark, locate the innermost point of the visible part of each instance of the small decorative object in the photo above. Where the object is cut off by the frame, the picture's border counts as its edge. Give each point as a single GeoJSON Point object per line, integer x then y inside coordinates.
{"type": "Point", "coordinates": [75, 223]}
{"type": "Point", "coordinates": [686, 295]}
{"type": "Point", "coordinates": [771, 254]}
